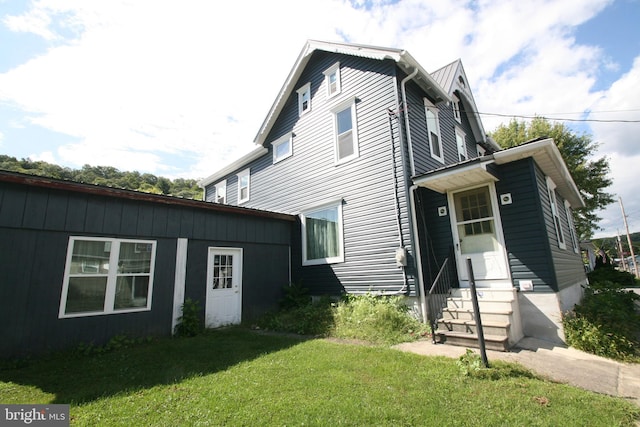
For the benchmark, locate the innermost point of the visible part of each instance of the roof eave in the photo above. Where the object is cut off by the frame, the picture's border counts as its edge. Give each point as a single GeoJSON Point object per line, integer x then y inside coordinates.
{"type": "Point", "coordinates": [237, 164]}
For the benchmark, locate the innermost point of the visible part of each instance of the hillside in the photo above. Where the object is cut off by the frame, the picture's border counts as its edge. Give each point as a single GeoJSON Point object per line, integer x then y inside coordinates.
{"type": "Point", "coordinates": [107, 176]}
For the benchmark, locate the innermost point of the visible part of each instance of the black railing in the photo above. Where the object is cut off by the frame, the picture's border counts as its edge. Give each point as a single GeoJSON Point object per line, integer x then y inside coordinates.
{"type": "Point", "coordinates": [437, 296]}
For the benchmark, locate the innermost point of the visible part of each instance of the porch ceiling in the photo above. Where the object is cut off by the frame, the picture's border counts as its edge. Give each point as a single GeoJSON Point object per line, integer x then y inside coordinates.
{"type": "Point", "coordinates": [456, 177]}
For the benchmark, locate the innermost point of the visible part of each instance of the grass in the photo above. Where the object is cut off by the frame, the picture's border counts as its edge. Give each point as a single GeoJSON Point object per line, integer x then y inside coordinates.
{"type": "Point", "coordinates": [240, 377]}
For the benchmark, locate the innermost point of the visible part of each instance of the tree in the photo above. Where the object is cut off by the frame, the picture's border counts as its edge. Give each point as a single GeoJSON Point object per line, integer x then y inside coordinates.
{"type": "Point", "coordinates": [589, 174]}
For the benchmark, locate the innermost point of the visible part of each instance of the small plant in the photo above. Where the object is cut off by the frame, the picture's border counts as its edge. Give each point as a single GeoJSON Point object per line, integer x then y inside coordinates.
{"type": "Point", "coordinates": [189, 324]}
{"type": "Point", "coordinates": [469, 363]}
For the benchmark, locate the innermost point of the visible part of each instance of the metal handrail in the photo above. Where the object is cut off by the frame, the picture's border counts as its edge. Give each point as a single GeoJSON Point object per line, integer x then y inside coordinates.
{"type": "Point", "coordinates": [437, 297]}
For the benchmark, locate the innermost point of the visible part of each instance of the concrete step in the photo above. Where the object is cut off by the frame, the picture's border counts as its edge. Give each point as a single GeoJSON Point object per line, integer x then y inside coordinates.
{"type": "Point", "coordinates": [470, 326]}
{"type": "Point", "coordinates": [498, 343]}
{"type": "Point", "coordinates": [485, 305]}
{"type": "Point", "coordinates": [487, 294]}
{"type": "Point", "coordinates": [467, 314]}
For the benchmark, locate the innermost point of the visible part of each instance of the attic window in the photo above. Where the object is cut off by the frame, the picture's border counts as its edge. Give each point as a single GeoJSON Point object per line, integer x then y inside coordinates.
{"type": "Point", "coordinates": [304, 99]}
{"type": "Point", "coordinates": [332, 78]}
{"type": "Point", "coordinates": [461, 81]}
{"type": "Point", "coordinates": [456, 109]}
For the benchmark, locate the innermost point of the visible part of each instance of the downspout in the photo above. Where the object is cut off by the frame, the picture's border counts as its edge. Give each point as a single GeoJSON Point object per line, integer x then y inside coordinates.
{"type": "Point", "coordinates": [412, 202]}
{"type": "Point", "coordinates": [405, 108]}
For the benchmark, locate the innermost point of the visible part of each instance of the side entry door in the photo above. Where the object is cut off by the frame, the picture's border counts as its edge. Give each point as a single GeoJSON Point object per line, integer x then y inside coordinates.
{"type": "Point", "coordinates": [224, 287]}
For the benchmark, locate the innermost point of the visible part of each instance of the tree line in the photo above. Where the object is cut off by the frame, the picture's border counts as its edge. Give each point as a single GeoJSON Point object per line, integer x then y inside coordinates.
{"type": "Point", "coordinates": [107, 176]}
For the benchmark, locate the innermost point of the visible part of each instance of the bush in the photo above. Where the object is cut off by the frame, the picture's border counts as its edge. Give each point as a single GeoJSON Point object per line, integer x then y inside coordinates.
{"type": "Point", "coordinates": [378, 319]}
{"type": "Point", "coordinates": [606, 322]}
{"type": "Point", "coordinates": [622, 279]}
{"type": "Point", "coordinates": [190, 323]}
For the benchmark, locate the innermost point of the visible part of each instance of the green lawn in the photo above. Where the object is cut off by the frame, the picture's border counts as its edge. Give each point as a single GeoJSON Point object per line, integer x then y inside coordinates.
{"type": "Point", "coordinates": [239, 377]}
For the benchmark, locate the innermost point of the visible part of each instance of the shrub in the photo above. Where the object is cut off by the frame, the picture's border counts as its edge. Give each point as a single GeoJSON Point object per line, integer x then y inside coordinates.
{"type": "Point", "coordinates": [190, 323]}
{"type": "Point", "coordinates": [378, 319]}
{"type": "Point", "coordinates": [609, 274]}
{"type": "Point", "coordinates": [606, 322]}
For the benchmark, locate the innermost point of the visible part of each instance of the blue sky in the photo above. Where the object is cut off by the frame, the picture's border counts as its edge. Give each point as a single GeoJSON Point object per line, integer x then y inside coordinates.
{"type": "Point", "coordinates": [181, 88]}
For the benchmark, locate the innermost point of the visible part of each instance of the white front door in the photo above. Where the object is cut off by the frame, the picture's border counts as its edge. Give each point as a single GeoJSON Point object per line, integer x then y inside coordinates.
{"type": "Point", "coordinates": [477, 233]}
{"type": "Point", "coordinates": [224, 287]}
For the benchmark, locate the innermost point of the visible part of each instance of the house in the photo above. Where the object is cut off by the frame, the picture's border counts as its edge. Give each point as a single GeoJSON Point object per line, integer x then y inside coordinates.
{"type": "Point", "coordinates": [83, 263]}
{"type": "Point", "coordinates": [396, 185]}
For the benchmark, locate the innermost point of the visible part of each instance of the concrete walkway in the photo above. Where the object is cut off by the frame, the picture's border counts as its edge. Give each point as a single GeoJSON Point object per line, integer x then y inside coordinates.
{"type": "Point", "coordinates": [555, 362]}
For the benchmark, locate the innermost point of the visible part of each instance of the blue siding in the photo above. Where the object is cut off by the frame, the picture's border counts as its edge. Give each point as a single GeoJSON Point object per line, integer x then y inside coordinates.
{"type": "Point", "coordinates": [366, 184]}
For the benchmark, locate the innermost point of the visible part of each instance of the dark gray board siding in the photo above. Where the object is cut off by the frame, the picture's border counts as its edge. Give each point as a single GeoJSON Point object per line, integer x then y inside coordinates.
{"type": "Point", "coordinates": [366, 184]}
{"type": "Point", "coordinates": [36, 222]}
{"type": "Point", "coordinates": [567, 264]}
{"type": "Point", "coordinates": [527, 247]}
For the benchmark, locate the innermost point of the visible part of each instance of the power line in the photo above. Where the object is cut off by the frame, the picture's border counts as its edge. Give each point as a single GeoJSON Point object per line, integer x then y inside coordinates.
{"type": "Point", "coordinates": [558, 118]}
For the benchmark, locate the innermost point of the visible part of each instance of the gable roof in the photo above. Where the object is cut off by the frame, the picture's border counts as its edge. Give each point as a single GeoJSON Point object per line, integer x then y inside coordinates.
{"type": "Point", "coordinates": [404, 60]}
{"type": "Point", "coordinates": [452, 78]}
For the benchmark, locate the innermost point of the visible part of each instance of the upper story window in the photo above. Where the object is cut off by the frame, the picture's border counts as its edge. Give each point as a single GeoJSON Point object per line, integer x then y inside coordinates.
{"type": "Point", "coordinates": [572, 227]}
{"type": "Point", "coordinates": [243, 185]}
{"type": "Point", "coordinates": [304, 99]}
{"type": "Point", "coordinates": [332, 78]}
{"type": "Point", "coordinates": [551, 188]}
{"type": "Point", "coordinates": [282, 148]}
{"type": "Point", "coordinates": [462, 145]}
{"type": "Point", "coordinates": [456, 109]}
{"type": "Point", "coordinates": [433, 130]}
{"type": "Point", "coordinates": [105, 276]}
{"type": "Point", "coordinates": [221, 192]}
{"type": "Point", "coordinates": [481, 150]}
{"type": "Point", "coordinates": [322, 234]}
{"type": "Point", "coordinates": [346, 131]}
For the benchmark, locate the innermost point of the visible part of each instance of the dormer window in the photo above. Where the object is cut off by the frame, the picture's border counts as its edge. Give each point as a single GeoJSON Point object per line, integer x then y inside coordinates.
{"type": "Point", "coordinates": [304, 99]}
{"type": "Point", "coordinates": [433, 130]}
{"type": "Point", "coordinates": [332, 79]}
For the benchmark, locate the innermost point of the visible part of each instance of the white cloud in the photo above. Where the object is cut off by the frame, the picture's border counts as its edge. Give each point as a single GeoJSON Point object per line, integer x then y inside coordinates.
{"type": "Point", "coordinates": [155, 85]}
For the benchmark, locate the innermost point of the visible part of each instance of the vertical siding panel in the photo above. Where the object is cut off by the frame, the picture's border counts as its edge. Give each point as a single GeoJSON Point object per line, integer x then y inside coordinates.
{"type": "Point", "coordinates": [94, 220]}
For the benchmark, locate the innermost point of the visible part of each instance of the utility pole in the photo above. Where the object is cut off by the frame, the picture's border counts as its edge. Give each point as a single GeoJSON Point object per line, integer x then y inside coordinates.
{"type": "Point", "coordinates": [626, 226]}
{"type": "Point", "coordinates": [620, 250]}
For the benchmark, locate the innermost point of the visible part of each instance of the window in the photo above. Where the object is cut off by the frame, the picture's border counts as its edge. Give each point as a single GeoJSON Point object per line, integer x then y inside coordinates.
{"type": "Point", "coordinates": [462, 145]}
{"type": "Point", "coordinates": [282, 148]}
{"type": "Point", "coordinates": [551, 188]}
{"type": "Point", "coordinates": [346, 132]}
{"type": "Point", "coordinates": [332, 78]}
{"type": "Point", "coordinates": [221, 192]}
{"type": "Point", "coordinates": [572, 227]}
{"type": "Point", "coordinates": [322, 235]}
{"type": "Point", "coordinates": [433, 130]}
{"type": "Point", "coordinates": [481, 150]}
{"type": "Point", "coordinates": [304, 99]}
{"type": "Point", "coordinates": [105, 276]}
{"type": "Point", "coordinates": [456, 109]}
{"type": "Point", "coordinates": [243, 186]}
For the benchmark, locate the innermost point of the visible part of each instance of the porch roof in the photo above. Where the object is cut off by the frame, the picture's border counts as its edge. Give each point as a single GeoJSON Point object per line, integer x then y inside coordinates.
{"type": "Point", "coordinates": [544, 152]}
{"type": "Point", "coordinates": [459, 175]}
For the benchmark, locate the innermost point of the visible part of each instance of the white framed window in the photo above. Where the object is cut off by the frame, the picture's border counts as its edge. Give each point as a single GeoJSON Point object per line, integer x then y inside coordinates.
{"type": "Point", "coordinates": [244, 181]}
{"type": "Point", "coordinates": [346, 131]}
{"type": "Point", "coordinates": [332, 79]}
{"type": "Point", "coordinates": [221, 192]}
{"type": "Point", "coordinates": [433, 130]}
{"type": "Point", "coordinates": [322, 234]}
{"type": "Point", "coordinates": [551, 188]}
{"type": "Point", "coordinates": [282, 147]}
{"type": "Point", "coordinates": [481, 150]}
{"type": "Point", "coordinates": [107, 276]}
{"type": "Point", "coordinates": [304, 99]}
{"type": "Point", "coordinates": [456, 109]}
{"type": "Point", "coordinates": [461, 142]}
{"type": "Point", "coordinates": [573, 234]}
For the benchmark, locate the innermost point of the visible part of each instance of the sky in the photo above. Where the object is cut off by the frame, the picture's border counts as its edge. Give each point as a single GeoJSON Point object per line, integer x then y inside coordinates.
{"type": "Point", "coordinates": [180, 88]}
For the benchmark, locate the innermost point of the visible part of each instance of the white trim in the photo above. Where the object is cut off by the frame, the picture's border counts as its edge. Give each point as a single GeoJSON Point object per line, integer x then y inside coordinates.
{"type": "Point", "coordinates": [430, 108]}
{"type": "Point", "coordinates": [303, 219]}
{"type": "Point", "coordinates": [280, 141]}
{"type": "Point", "coordinates": [237, 164]}
{"type": "Point", "coordinates": [111, 276]}
{"type": "Point", "coordinates": [351, 104]}
{"type": "Point", "coordinates": [335, 68]}
{"type": "Point", "coordinates": [306, 89]}
{"type": "Point", "coordinates": [240, 175]}
{"type": "Point", "coordinates": [572, 227]}
{"type": "Point", "coordinates": [460, 133]}
{"type": "Point", "coordinates": [555, 213]}
{"type": "Point", "coordinates": [179, 281]}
